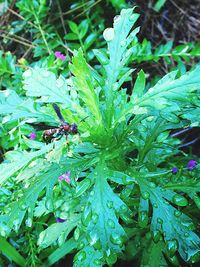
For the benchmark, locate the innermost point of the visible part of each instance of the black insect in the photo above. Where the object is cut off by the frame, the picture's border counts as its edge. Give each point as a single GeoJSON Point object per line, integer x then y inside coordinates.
{"type": "Point", "coordinates": [56, 132]}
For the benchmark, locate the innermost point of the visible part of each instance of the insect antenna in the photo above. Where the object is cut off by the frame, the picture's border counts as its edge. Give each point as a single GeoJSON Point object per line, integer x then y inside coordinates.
{"type": "Point", "coordinates": [83, 119]}
{"type": "Point", "coordinates": [58, 112]}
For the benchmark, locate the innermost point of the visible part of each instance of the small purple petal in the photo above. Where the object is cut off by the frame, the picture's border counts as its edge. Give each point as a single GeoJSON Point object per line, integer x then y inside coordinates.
{"type": "Point", "coordinates": [191, 164]}
{"type": "Point", "coordinates": [65, 176]}
{"type": "Point", "coordinates": [59, 220]}
{"type": "Point", "coordinates": [32, 136]}
{"type": "Point", "coordinates": [174, 170]}
{"type": "Point", "coordinates": [59, 55]}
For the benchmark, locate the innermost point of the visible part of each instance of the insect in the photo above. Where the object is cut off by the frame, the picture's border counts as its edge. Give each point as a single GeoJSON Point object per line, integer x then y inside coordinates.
{"type": "Point", "coordinates": [56, 132]}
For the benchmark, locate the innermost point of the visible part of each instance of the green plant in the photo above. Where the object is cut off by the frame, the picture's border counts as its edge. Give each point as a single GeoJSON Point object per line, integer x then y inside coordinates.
{"type": "Point", "coordinates": [122, 200]}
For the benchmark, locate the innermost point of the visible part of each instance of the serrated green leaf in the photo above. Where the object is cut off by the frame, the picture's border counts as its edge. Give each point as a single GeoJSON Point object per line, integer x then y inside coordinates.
{"type": "Point", "coordinates": [82, 187]}
{"type": "Point", "coordinates": [139, 86]}
{"type": "Point", "coordinates": [179, 230]}
{"type": "Point", "coordinates": [55, 231]}
{"type": "Point", "coordinates": [41, 83]}
{"type": "Point", "coordinates": [9, 169]}
{"type": "Point", "coordinates": [83, 82]}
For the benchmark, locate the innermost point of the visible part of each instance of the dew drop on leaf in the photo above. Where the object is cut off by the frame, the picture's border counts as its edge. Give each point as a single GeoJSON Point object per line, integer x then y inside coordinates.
{"type": "Point", "coordinates": [81, 245]}
{"type": "Point", "coordinates": [28, 222]}
{"type": "Point", "coordinates": [123, 43]}
{"type": "Point", "coordinates": [95, 218]}
{"type": "Point", "coordinates": [97, 262]}
{"type": "Point", "coordinates": [188, 224]}
{"type": "Point", "coordinates": [145, 195]}
{"type": "Point", "coordinates": [116, 239]}
{"type": "Point", "coordinates": [111, 223]}
{"type": "Point", "coordinates": [49, 204]}
{"type": "Point", "coordinates": [109, 34]}
{"type": "Point", "coordinates": [45, 73]}
{"type": "Point", "coordinates": [143, 219]}
{"type": "Point", "coordinates": [159, 220]}
{"type": "Point", "coordinates": [16, 225]}
{"type": "Point", "coordinates": [156, 235]}
{"type": "Point", "coordinates": [41, 238]}
{"type": "Point", "coordinates": [152, 185]}
{"type": "Point", "coordinates": [92, 193]}
{"type": "Point", "coordinates": [61, 239]}
{"type": "Point", "coordinates": [60, 82]}
{"type": "Point", "coordinates": [172, 246]}
{"type": "Point", "coordinates": [76, 234]}
{"type": "Point", "coordinates": [177, 213]}
{"type": "Point", "coordinates": [195, 257]}
{"type": "Point", "coordinates": [4, 230]}
{"type": "Point", "coordinates": [81, 256]}
{"type": "Point", "coordinates": [155, 205]}
{"type": "Point", "coordinates": [27, 73]}
{"type": "Point", "coordinates": [186, 235]}
{"type": "Point", "coordinates": [22, 206]}
{"type": "Point", "coordinates": [109, 204]}
{"type": "Point", "coordinates": [180, 200]}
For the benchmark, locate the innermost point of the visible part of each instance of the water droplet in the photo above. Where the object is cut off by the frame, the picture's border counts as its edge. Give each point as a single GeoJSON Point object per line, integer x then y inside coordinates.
{"type": "Point", "coordinates": [61, 239]}
{"type": "Point", "coordinates": [41, 238]}
{"type": "Point", "coordinates": [4, 230]}
{"type": "Point", "coordinates": [109, 204]}
{"type": "Point", "coordinates": [155, 205]}
{"type": "Point", "coordinates": [28, 73]}
{"type": "Point", "coordinates": [16, 225]}
{"type": "Point", "coordinates": [177, 213]}
{"type": "Point", "coordinates": [97, 262]}
{"type": "Point", "coordinates": [188, 224]}
{"type": "Point", "coordinates": [156, 235]}
{"type": "Point", "coordinates": [195, 258]}
{"type": "Point", "coordinates": [95, 218]}
{"type": "Point", "coordinates": [109, 34]}
{"type": "Point", "coordinates": [186, 234]}
{"type": "Point", "coordinates": [180, 200]}
{"type": "Point", "coordinates": [80, 256]}
{"type": "Point", "coordinates": [126, 218]}
{"type": "Point", "coordinates": [81, 245]}
{"type": "Point", "coordinates": [28, 222]}
{"type": "Point", "coordinates": [152, 185]}
{"type": "Point", "coordinates": [111, 223]}
{"type": "Point", "coordinates": [159, 220]}
{"type": "Point", "coordinates": [172, 246]}
{"type": "Point", "coordinates": [123, 43]}
{"type": "Point", "coordinates": [77, 234]}
{"type": "Point", "coordinates": [92, 192]}
{"type": "Point", "coordinates": [145, 195]}
{"type": "Point", "coordinates": [111, 259]}
{"type": "Point", "coordinates": [116, 239]}
{"type": "Point", "coordinates": [49, 204]}
{"type": "Point", "coordinates": [45, 73]}
{"type": "Point", "coordinates": [60, 82]}
{"type": "Point", "coordinates": [115, 86]}
{"type": "Point", "coordinates": [143, 219]}
{"type": "Point", "coordinates": [86, 216]}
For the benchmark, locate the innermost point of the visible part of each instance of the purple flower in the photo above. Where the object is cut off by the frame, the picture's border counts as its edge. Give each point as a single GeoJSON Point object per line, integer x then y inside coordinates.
{"type": "Point", "coordinates": [32, 136]}
{"type": "Point", "coordinates": [191, 164]}
{"type": "Point", "coordinates": [59, 55]}
{"type": "Point", "coordinates": [59, 220]}
{"type": "Point", "coordinates": [65, 176]}
{"type": "Point", "coordinates": [174, 170]}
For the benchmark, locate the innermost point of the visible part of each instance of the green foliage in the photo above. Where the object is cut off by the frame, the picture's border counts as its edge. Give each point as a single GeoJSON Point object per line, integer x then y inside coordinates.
{"type": "Point", "coordinates": [122, 201]}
